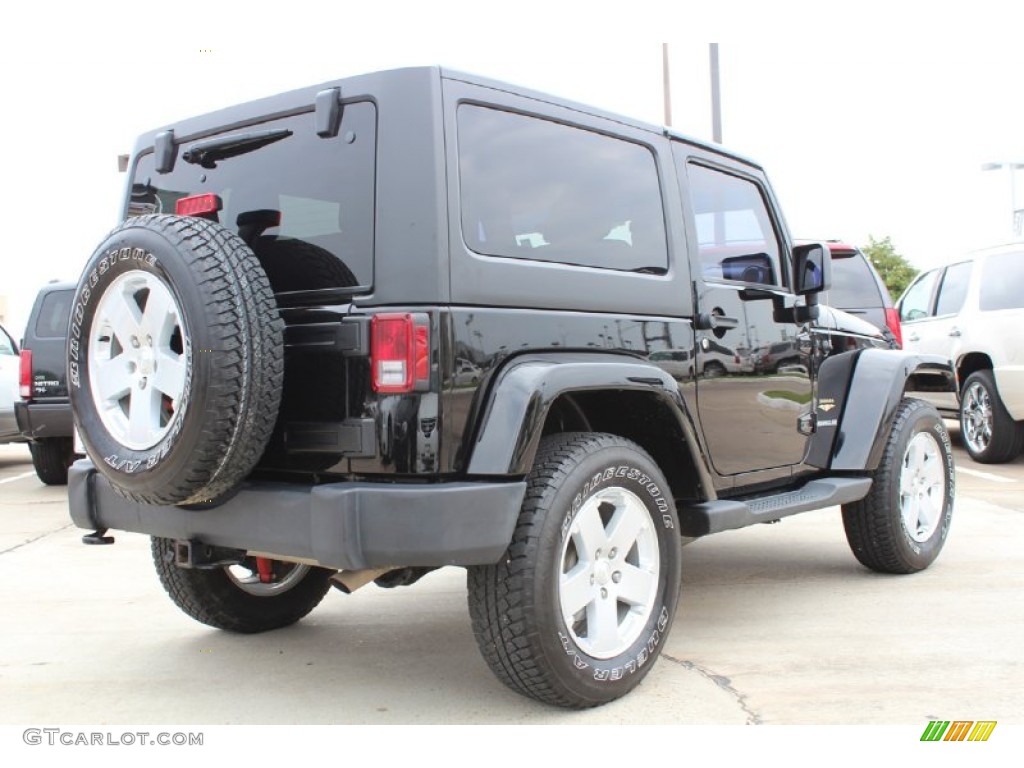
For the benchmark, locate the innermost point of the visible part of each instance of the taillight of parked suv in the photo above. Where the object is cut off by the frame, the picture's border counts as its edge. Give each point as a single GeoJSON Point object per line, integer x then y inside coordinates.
{"type": "Point", "coordinates": [25, 374]}
{"type": "Point", "coordinates": [892, 322]}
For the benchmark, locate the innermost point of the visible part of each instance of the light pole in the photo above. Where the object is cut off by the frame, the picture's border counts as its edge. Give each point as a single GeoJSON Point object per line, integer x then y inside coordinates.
{"type": "Point", "coordinates": [1016, 216]}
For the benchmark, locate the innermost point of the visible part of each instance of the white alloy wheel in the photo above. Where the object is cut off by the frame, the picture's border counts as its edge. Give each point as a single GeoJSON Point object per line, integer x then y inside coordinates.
{"type": "Point", "coordinates": [610, 565]}
{"type": "Point", "coordinates": [922, 487]}
{"type": "Point", "coordinates": [248, 580]}
{"type": "Point", "coordinates": [137, 360]}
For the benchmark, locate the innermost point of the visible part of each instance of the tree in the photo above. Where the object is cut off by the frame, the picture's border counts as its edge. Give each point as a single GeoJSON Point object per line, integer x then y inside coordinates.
{"type": "Point", "coordinates": [895, 270]}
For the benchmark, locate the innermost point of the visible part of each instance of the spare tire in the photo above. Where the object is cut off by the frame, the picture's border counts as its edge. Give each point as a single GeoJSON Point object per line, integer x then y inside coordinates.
{"type": "Point", "coordinates": [175, 359]}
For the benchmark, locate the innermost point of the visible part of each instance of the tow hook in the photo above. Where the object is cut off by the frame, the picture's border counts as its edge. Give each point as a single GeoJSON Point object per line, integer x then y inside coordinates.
{"type": "Point", "coordinates": [189, 553]}
{"type": "Point", "coordinates": [98, 537]}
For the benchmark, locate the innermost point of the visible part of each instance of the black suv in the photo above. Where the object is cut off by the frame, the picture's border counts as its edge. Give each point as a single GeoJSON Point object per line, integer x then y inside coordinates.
{"type": "Point", "coordinates": [44, 411]}
{"type": "Point", "coordinates": [857, 288]}
{"type": "Point", "coordinates": [411, 319]}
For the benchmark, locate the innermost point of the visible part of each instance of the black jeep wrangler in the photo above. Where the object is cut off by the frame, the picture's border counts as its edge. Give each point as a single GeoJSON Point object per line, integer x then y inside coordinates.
{"type": "Point", "coordinates": [412, 319]}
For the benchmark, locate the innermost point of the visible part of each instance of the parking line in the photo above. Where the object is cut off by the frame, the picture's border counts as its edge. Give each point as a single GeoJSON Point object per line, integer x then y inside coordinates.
{"type": "Point", "coordinates": [985, 475]}
{"type": "Point", "coordinates": [16, 477]}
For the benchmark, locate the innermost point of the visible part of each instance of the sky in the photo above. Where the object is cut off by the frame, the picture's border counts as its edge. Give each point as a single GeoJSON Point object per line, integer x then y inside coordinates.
{"type": "Point", "coordinates": [865, 129]}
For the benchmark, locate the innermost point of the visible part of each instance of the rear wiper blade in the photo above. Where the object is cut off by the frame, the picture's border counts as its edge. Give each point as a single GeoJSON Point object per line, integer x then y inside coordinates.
{"type": "Point", "coordinates": [207, 153]}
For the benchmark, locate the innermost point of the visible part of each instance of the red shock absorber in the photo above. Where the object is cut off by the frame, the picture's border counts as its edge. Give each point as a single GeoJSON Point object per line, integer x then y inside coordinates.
{"type": "Point", "coordinates": [265, 567]}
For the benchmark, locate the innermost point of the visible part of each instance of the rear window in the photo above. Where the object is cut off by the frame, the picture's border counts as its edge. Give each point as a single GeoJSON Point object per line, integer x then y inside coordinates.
{"type": "Point", "coordinates": [323, 190]}
{"type": "Point", "coordinates": [853, 284]}
{"type": "Point", "coordinates": [1002, 282]}
{"type": "Point", "coordinates": [52, 320]}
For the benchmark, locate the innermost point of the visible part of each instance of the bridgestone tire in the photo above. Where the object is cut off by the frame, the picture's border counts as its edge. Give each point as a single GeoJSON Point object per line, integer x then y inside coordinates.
{"type": "Point", "coordinates": [218, 598]}
{"type": "Point", "coordinates": [598, 542]}
{"type": "Point", "coordinates": [902, 524]}
{"type": "Point", "coordinates": [990, 434]}
{"type": "Point", "coordinates": [51, 458]}
{"type": "Point", "coordinates": [175, 359]}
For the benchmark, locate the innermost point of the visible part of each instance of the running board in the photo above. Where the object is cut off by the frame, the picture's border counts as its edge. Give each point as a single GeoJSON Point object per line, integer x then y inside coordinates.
{"type": "Point", "coordinates": [729, 514]}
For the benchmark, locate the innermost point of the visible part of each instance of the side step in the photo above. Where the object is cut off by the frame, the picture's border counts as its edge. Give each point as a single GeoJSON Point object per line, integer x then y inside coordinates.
{"type": "Point", "coordinates": [729, 514]}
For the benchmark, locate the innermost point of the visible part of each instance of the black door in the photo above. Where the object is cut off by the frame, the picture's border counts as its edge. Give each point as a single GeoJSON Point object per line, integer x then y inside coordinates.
{"type": "Point", "coordinates": [753, 367]}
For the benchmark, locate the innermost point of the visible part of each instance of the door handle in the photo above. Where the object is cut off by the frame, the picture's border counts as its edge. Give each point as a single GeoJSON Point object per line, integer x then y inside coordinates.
{"type": "Point", "coordinates": [954, 331]}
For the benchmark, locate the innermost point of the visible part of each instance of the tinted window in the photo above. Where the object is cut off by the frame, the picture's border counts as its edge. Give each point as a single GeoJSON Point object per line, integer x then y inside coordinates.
{"type": "Point", "coordinates": [535, 189]}
{"type": "Point", "coordinates": [853, 284]}
{"type": "Point", "coordinates": [52, 321]}
{"type": "Point", "coordinates": [735, 236]}
{"type": "Point", "coordinates": [322, 189]}
{"type": "Point", "coordinates": [953, 290]}
{"type": "Point", "coordinates": [917, 301]}
{"type": "Point", "coordinates": [1002, 282]}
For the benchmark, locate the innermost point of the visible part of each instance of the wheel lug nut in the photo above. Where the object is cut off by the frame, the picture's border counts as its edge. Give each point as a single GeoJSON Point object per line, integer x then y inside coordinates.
{"type": "Point", "coordinates": [604, 592]}
{"type": "Point", "coordinates": [598, 553]}
{"type": "Point", "coordinates": [142, 383]}
{"type": "Point", "coordinates": [612, 553]}
{"type": "Point", "coordinates": [617, 577]}
{"type": "Point", "coordinates": [135, 342]}
{"type": "Point", "coordinates": [149, 341]}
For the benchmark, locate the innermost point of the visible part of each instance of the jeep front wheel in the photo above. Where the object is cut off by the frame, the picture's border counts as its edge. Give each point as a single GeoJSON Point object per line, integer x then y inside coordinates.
{"type": "Point", "coordinates": [579, 608]}
{"type": "Point", "coordinates": [175, 359]}
{"type": "Point", "coordinates": [902, 524]}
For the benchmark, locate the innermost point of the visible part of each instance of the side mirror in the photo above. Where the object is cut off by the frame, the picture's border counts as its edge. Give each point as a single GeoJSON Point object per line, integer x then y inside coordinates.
{"type": "Point", "coordinates": [812, 265]}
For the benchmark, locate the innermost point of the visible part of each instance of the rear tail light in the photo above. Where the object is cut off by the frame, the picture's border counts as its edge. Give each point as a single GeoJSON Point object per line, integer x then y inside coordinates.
{"type": "Point", "coordinates": [399, 353]}
{"type": "Point", "coordinates": [25, 374]}
{"type": "Point", "coordinates": [892, 321]}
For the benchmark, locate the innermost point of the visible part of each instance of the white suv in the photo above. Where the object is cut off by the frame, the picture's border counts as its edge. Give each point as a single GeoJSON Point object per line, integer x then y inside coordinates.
{"type": "Point", "coordinates": [972, 313]}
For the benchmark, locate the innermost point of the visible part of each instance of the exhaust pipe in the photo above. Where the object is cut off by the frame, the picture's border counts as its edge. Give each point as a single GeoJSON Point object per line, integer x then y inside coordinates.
{"type": "Point", "coordinates": [349, 581]}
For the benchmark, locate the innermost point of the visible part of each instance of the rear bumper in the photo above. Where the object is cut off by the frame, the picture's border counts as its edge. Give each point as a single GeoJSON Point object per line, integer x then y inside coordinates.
{"type": "Point", "coordinates": [38, 421]}
{"type": "Point", "coordinates": [337, 525]}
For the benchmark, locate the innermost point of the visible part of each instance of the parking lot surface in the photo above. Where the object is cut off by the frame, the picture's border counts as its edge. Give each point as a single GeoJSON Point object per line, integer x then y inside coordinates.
{"type": "Point", "coordinates": [777, 624]}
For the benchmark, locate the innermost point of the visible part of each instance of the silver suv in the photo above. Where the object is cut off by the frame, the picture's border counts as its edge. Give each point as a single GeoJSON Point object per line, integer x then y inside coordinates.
{"type": "Point", "coordinates": [971, 312]}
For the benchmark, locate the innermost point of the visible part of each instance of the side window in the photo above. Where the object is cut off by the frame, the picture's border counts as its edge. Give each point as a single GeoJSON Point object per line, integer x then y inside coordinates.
{"type": "Point", "coordinates": [735, 236]}
{"type": "Point", "coordinates": [1001, 282]}
{"type": "Point", "coordinates": [953, 290]}
{"type": "Point", "coordinates": [540, 190]}
{"type": "Point", "coordinates": [7, 345]}
{"type": "Point", "coordinates": [916, 303]}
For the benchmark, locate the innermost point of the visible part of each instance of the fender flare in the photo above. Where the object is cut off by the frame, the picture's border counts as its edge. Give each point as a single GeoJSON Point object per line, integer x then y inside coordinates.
{"type": "Point", "coordinates": [880, 380]}
{"type": "Point", "coordinates": [517, 403]}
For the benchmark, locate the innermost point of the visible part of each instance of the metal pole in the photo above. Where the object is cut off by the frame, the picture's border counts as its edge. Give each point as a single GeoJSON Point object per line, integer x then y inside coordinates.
{"type": "Point", "coordinates": [716, 99]}
{"type": "Point", "coordinates": [665, 82]}
{"type": "Point", "coordinates": [1012, 168]}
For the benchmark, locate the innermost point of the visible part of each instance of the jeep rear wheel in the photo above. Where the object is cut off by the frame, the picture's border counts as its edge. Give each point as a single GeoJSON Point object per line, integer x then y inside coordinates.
{"type": "Point", "coordinates": [175, 359]}
{"type": "Point", "coordinates": [902, 524]}
{"type": "Point", "coordinates": [579, 608]}
{"type": "Point", "coordinates": [249, 597]}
